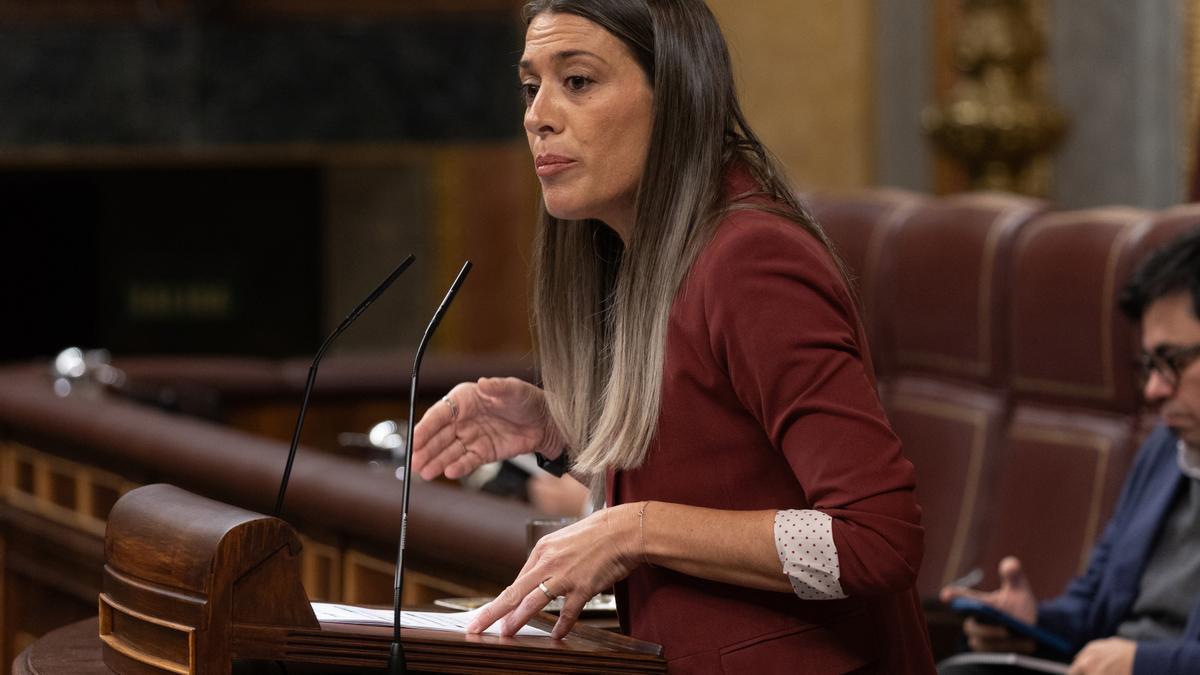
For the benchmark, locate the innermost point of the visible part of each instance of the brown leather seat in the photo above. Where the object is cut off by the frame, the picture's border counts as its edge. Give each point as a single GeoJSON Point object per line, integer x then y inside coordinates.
{"type": "Point", "coordinates": [1071, 437]}
{"type": "Point", "coordinates": [951, 432]}
{"type": "Point", "coordinates": [1060, 475]}
{"type": "Point", "coordinates": [1007, 365]}
{"type": "Point", "coordinates": [941, 289]}
{"type": "Point", "coordinates": [1167, 225]}
{"type": "Point", "coordinates": [946, 295]}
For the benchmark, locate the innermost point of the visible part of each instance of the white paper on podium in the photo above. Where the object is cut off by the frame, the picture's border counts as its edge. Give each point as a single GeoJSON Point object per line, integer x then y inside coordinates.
{"type": "Point", "coordinates": [449, 621]}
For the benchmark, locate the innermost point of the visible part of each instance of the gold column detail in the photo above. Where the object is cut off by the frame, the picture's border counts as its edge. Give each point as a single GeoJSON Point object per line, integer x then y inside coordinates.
{"type": "Point", "coordinates": [994, 120]}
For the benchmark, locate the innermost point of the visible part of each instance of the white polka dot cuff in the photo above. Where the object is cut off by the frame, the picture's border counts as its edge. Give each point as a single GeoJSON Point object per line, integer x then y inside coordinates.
{"type": "Point", "coordinates": [804, 540]}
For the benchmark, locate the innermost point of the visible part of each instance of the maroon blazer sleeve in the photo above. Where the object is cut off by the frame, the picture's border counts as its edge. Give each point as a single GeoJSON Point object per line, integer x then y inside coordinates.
{"type": "Point", "coordinates": [782, 322]}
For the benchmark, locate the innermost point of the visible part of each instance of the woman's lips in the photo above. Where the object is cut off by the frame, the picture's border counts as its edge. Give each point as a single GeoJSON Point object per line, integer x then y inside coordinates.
{"type": "Point", "coordinates": [550, 165]}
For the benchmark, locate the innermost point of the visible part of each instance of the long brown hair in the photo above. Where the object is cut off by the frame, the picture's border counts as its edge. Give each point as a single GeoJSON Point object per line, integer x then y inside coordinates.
{"type": "Point", "coordinates": [599, 307]}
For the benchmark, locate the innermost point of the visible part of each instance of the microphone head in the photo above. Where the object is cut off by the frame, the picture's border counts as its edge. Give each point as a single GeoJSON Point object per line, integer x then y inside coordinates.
{"type": "Point", "coordinates": [74, 368]}
{"type": "Point", "coordinates": [69, 363]}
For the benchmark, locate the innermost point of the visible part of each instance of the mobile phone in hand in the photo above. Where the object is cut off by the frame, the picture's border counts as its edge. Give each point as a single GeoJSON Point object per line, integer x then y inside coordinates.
{"type": "Point", "coordinates": [987, 614]}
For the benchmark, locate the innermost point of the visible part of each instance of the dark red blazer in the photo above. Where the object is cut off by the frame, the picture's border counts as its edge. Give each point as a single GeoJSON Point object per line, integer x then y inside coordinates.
{"type": "Point", "coordinates": [769, 402]}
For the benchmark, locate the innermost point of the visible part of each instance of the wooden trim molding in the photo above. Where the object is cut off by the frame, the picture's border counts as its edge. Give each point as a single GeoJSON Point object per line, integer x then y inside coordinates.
{"type": "Point", "coordinates": [110, 610]}
{"type": "Point", "coordinates": [48, 473]}
{"type": "Point", "coordinates": [321, 584]}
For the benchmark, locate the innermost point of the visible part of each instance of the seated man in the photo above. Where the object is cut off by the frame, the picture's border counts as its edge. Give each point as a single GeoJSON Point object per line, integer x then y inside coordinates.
{"type": "Point", "coordinates": [1137, 608]}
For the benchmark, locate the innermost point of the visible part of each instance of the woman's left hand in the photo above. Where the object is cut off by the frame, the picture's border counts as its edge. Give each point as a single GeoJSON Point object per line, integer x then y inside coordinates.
{"type": "Point", "coordinates": [577, 561]}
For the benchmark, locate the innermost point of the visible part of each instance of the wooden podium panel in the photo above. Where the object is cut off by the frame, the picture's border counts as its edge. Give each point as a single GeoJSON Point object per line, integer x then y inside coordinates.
{"type": "Point", "coordinates": [75, 649]}
{"type": "Point", "coordinates": [192, 585]}
{"type": "Point", "coordinates": [586, 649]}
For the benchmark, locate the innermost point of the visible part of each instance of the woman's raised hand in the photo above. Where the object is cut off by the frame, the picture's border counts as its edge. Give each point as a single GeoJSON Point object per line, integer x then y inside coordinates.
{"type": "Point", "coordinates": [482, 422]}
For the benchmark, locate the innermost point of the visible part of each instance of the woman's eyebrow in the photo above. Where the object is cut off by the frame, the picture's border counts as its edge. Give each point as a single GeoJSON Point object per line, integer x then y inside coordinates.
{"type": "Point", "coordinates": [565, 55]}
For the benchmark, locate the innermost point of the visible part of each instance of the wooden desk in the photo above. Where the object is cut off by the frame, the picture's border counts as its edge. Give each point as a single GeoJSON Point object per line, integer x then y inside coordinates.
{"type": "Point", "coordinates": [74, 649]}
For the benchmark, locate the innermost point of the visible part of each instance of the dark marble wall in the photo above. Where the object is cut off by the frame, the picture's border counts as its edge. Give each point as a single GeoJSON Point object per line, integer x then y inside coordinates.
{"type": "Point", "coordinates": [162, 260]}
{"type": "Point", "coordinates": [197, 81]}
{"type": "Point", "coordinates": [1118, 71]}
{"type": "Point", "coordinates": [903, 87]}
{"type": "Point", "coordinates": [256, 255]}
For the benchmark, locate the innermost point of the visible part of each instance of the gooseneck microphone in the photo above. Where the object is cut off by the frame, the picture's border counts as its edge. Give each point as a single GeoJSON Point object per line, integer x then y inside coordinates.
{"type": "Point", "coordinates": [396, 662]}
{"type": "Point", "coordinates": [312, 372]}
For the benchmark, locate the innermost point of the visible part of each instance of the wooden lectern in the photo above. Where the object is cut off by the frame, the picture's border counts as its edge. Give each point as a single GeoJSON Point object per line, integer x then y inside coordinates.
{"type": "Point", "coordinates": [191, 584]}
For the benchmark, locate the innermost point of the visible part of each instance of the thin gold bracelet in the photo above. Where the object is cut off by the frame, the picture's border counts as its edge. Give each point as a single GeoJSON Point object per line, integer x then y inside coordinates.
{"type": "Point", "coordinates": [642, 530]}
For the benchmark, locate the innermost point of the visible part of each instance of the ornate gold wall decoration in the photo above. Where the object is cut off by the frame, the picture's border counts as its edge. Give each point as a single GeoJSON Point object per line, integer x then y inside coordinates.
{"type": "Point", "coordinates": [995, 121]}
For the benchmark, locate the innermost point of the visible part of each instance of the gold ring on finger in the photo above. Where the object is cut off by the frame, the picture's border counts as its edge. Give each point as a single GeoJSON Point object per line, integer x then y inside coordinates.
{"type": "Point", "coordinates": [453, 408]}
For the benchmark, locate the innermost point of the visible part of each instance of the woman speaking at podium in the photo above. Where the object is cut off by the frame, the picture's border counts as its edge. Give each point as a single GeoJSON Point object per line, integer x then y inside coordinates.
{"type": "Point", "coordinates": [702, 360]}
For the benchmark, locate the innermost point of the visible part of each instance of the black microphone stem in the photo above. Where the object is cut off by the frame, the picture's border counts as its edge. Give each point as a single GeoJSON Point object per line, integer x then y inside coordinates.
{"type": "Point", "coordinates": [396, 661]}
{"type": "Point", "coordinates": [312, 373]}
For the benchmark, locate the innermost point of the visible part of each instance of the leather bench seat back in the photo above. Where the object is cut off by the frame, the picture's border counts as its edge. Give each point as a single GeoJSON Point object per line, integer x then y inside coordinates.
{"type": "Point", "coordinates": [1061, 473]}
{"type": "Point", "coordinates": [944, 281]}
{"type": "Point", "coordinates": [1071, 436]}
{"type": "Point", "coordinates": [947, 287]}
{"type": "Point", "coordinates": [951, 432]}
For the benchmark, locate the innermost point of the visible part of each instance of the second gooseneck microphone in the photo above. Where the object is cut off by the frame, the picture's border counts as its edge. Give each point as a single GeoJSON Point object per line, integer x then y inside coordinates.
{"type": "Point", "coordinates": [312, 373]}
{"type": "Point", "coordinates": [396, 661]}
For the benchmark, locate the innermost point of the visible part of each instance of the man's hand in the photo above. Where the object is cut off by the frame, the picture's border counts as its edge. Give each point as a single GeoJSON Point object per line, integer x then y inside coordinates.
{"type": "Point", "coordinates": [1014, 597]}
{"type": "Point", "coordinates": [983, 637]}
{"type": "Point", "coordinates": [1110, 656]}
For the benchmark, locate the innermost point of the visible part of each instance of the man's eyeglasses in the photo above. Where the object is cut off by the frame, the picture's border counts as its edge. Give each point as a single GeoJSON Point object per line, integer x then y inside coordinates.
{"type": "Point", "coordinates": [1168, 362]}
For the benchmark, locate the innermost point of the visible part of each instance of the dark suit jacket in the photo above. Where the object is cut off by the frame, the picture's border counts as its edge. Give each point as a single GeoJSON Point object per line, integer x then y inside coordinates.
{"type": "Point", "coordinates": [768, 402]}
{"type": "Point", "coordinates": [1095, 604]}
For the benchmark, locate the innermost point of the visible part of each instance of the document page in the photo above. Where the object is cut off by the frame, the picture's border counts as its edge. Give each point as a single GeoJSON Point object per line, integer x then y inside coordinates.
{"type": "Point", "coordinates": [449, 621]}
